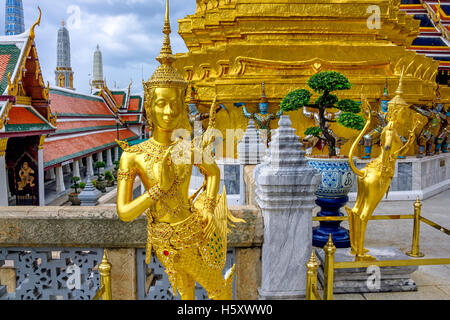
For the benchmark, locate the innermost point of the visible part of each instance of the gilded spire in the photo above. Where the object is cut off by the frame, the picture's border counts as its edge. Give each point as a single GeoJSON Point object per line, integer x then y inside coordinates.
{"type": "Point", "coordinates": [166, 56]}
{"type": "Point", "coordinates": [166, 75]}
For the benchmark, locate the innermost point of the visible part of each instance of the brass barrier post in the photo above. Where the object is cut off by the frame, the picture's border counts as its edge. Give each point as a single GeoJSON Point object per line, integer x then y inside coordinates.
{"type": "Point", "coordinates": [105, 277]}
{"type": "Point", "coordinates": [311, 278]}
{"type": "Point", "coordinates": [416, 231]}
{"type": "Point", "coordinates": [328, 271]}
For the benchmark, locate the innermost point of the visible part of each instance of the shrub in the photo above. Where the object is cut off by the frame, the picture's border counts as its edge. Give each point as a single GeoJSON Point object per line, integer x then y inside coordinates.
{"type": "Point", "coordinates": [324, 83]}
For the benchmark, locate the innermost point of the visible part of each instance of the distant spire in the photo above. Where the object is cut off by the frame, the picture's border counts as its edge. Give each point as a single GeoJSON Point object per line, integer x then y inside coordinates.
{"type": "Point", "coordinates": [64, 73]}
{"type": "Point", "coordinates": [14, 18]}
{"type": "Point", "coordinates": [98, 80]}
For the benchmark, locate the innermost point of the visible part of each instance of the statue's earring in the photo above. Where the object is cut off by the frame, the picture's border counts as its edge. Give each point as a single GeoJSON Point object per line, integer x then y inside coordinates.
{"type": "Point", "coordinates": [150, 125]}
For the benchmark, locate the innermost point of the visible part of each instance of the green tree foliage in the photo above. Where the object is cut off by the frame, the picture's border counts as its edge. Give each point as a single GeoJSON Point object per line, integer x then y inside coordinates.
{"type": "Point", "coordinates": [324, 83]}
{"type": "Point", "coordinates": [75, 184]}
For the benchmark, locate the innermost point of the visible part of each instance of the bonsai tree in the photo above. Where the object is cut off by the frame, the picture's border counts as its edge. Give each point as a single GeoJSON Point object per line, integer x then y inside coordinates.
{"type": "Point", "coordinates": [324, 83]}
{"type": "Point", "coordinates": [98, 165]}
{"type": "Point", "coordinates": [116, 165]}
{"type": "Point", "coordinates": [76, 184]}
{"type": "Point", "coordinates": [110, 178]}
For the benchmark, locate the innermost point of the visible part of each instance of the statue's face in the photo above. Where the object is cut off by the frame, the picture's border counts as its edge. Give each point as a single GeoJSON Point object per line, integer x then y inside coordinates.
{"type": "Point", "coordinates": [264, 107]}
{"type": "Point", "coordinates": [25, 165]}
{"type": "Point", "coordinates": [167, 108]}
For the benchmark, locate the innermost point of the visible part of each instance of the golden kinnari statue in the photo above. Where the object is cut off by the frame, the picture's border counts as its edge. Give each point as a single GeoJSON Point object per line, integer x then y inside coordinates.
{"type": "Point", "coordinates": [189, 239]}
{"type": "Point", "coordinates": [374, 180]}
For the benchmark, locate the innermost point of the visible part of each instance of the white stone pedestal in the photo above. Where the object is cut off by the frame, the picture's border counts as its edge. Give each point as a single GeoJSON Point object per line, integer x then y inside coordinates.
{"type": "Point", "coordinates": [285, 194]}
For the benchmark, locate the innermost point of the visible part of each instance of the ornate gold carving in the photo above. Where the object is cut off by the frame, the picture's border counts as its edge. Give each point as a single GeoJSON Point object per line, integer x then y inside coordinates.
{"type": "Point", "coordinates": [123, 174]}
{"type": "Point", "coordinates": [41, 142]}
{"type": "Point", "coordinates": [3, 145]}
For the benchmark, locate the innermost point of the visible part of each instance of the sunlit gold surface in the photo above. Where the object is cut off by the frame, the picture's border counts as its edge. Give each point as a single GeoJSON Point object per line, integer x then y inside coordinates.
{"type": "Point", "coordinates": [235, 45]}
{"type": "Point", "coordinates": [374, 180]}
{"type": "Point", "coordinates": [189, 238]}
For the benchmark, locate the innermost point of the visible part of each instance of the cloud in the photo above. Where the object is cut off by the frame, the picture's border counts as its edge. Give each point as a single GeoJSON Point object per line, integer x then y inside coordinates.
{"type": "Point", "coordinates": [128, 32]}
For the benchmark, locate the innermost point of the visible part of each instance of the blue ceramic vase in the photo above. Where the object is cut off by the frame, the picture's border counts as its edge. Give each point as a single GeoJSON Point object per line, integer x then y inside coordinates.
{"type": "Point", "coordinates": [332, 195]}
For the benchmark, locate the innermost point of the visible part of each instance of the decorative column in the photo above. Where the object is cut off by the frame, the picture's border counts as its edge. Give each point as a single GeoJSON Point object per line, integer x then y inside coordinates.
{"type": "Point", "coordinates": [100, 156]}
{"type": "Point", "coordinates": [76, 168]}
{"type": "Point", "coordinates": [90, 166]}
{"type": "Point", "coordinates": [66, 168]}
{"type": "Point", "coordinates": [60, 187]}
{"type": "Point", "coordinates": [116, 154]}
{"type": "Point", "coordinates": [285, 194]}
{"type": "Point", "coordinates": [41, 179]}
{"type": "Point", "coordinates": [109, 162]}
{"type": "Point", "coordinates": [3, 173]}
{"type": "Point", "coordinates": [52, 174]}
{"type": "Point", "coordinates": [251, 151]}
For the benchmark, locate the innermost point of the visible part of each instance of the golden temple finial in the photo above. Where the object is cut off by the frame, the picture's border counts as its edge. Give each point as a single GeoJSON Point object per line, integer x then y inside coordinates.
{"type": "Point", "coordinates": [166, 56]}
{"type": "Point", "coordinates": [166, 75]}
{"type": "Point", "coordinates": [37, 23]}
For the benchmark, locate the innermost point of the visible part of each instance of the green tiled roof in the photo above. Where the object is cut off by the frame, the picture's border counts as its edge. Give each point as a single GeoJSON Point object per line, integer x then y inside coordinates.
{"type": "Point", "coordinates": [13, 53]}
{"type": "Point", "coordinates": [75, 95]}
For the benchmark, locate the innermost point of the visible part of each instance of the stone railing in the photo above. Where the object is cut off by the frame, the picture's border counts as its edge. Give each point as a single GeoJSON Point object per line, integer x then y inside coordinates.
{"type": "Point", "coordinates": [53, 252]}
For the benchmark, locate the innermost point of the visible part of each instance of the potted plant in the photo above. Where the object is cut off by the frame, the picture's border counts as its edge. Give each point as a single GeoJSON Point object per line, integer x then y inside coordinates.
{"type": "Point", "coordinates": [100, 182]}
{"type": "Point", "coordinates": [73, 196]}
{"type": "Point", "coordinates": [109, 178]}
{"type": "Point", "coordinates": [337, 176]}
{"type": "Point", "coordinates": [116, 168]}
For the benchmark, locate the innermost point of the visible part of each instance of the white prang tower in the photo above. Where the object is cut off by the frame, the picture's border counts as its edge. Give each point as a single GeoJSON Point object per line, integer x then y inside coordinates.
{"type": "Point", "coordinates": [97, 81]}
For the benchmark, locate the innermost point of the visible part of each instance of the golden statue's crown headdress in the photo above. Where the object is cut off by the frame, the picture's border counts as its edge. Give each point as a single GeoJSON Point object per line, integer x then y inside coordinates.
{"type": "Point", "coordinates": [166, 75]}
{"type": "Point", "coordinates": [263, 94]}
{"type": "Point", "coordinates": [398, 100]}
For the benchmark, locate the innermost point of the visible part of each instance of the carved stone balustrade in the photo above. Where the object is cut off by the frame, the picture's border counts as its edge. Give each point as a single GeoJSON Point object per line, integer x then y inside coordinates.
{"type": "Point", "coordinates": [48, 248]}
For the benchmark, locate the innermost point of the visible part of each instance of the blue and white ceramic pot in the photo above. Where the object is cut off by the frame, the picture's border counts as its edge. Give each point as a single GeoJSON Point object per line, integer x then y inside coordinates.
{"type": "Point", "coordinates": [332, 195]}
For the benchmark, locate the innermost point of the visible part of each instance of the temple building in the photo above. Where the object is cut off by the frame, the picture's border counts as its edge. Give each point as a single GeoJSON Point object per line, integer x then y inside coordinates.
{"type": "Point", "coordinates": [234, 46]}
{"type": "Point", "coordinates": [14, 20]}
{"type": "Point", "coordinates": [48, 134]}
{"type": "Point", "coordinates": [64, 73]}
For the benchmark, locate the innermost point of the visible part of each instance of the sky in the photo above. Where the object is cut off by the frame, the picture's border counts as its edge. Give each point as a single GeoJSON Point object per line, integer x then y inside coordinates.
{"type": "Point", "coordinates": [129, 33]}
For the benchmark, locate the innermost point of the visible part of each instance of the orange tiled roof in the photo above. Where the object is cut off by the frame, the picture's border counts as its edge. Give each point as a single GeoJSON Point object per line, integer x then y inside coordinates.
{"type": "Point", "coordinates": [21, 115]}
{"type": "Point", "coordinates": [135, 104]}
{"type": "Point", "coordinates": [72, 103]}
{"type": "Point", "coordinates": [56, 152]}
{"type": "Point", "coordinates": [84, 124]}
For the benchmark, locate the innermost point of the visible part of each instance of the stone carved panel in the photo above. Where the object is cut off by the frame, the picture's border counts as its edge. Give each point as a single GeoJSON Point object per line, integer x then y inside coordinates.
{"type": "Point", "coordinates": [53, 274]}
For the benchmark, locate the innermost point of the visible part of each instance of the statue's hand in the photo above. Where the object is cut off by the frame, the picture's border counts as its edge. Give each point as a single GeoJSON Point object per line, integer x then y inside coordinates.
{"type": "Point", "coordinates": [165, 171]}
